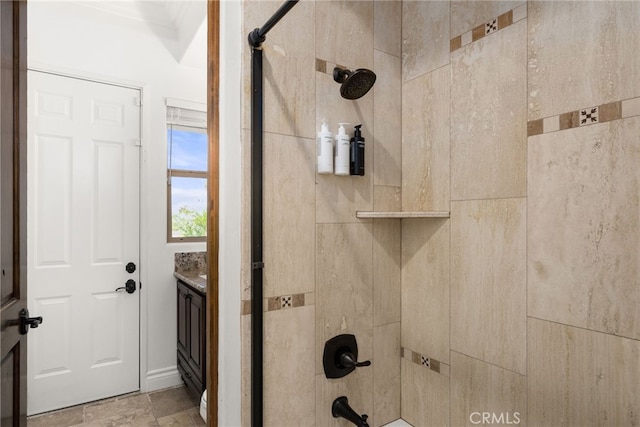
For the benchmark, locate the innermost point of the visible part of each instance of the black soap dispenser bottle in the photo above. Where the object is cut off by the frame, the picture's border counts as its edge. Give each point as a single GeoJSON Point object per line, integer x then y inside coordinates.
{"type": "Point", "coordinates": [357, 153]}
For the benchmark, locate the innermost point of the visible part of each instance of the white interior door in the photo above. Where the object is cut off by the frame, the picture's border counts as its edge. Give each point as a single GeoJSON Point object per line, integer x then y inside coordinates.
{"type": "Point", "coordinates": [83, 228]}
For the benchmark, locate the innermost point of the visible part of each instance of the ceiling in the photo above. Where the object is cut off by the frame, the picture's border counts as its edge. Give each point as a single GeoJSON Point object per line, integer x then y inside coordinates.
{"type": "Point", "coordinates": [181, 22]}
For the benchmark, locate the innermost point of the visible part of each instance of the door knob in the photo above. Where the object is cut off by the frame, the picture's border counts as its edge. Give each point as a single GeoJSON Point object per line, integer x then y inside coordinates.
{"type": "Point", "coordinates": [130, 267]}
{"type": "Point", "coordinates": [27, 322]}
{"type": "Point", "coordinates": [129, 286]}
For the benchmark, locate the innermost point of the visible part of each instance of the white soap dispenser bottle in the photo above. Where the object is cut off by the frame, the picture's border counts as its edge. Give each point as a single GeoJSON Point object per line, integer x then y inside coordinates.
{"type": "Point", "coordinates": [325, 149]}
{"type": "Point", "coordinates": [342, 151]}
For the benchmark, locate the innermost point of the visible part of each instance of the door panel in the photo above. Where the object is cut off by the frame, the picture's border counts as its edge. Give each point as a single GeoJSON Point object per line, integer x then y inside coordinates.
{"type": "Point", "coordinates": [52, 229]}
{"type": "Point", "coordinates": [13, 288]}
{"type": "Point", "coordinates": [109, 197]}
{"type": "Point", "coordinates": [84, 228]}
{"type": "Point", "coordinates": [51, 353]}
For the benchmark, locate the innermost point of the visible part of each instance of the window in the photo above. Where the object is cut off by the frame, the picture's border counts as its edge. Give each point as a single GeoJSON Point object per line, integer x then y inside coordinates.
{"type": "Point", "coordinates": [186, 173]}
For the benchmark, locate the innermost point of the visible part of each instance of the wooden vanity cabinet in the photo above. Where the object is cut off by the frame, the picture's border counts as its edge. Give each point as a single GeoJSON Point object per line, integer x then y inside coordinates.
{"type": "Point", "coordinates": [192, 355]}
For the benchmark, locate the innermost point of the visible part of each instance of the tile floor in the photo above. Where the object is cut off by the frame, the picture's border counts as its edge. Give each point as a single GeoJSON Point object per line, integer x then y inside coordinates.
{"type": "Point", "coordinates": [169, 407]}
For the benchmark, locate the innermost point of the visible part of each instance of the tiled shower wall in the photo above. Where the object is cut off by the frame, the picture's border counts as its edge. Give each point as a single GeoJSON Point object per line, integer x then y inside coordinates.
{"type": "Point", "coordinates": [326, 272]}
{"type": "Point", "coordinates": [520, 118]}
{"type": "Point", "coordinates": [523, 120]}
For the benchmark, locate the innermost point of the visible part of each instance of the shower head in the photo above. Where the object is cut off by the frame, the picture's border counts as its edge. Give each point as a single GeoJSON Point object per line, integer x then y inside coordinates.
{"type": "Point", "coordinates": [355, 84]}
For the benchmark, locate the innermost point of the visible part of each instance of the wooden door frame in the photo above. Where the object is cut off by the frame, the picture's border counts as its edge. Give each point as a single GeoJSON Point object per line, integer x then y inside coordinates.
{"type": "Point", "coordinates": [14, 171]}
{"type": "Point", "coordinates": [213, 125]}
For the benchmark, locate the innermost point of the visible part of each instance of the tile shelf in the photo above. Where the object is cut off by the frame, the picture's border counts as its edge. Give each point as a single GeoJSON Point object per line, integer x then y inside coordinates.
{"type": "Point", "coordinates": [401, 215]}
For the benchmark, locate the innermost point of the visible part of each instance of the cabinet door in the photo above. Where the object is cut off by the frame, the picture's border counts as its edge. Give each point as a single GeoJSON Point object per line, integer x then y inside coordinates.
{"type": "Point", "coordinates": [183, 322]}
{"type": "Point", "coordinates": [196, 334]}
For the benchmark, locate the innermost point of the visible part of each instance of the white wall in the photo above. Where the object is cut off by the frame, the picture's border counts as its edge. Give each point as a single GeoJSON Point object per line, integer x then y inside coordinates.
{"type": "Point", "coordinates": [77, 40]}
{"type": "Point", "coordinates": [229, 387]}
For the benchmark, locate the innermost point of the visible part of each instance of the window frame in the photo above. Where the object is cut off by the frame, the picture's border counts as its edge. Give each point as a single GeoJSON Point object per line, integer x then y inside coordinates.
{"type": "Point", "coordinates": [182, 173]}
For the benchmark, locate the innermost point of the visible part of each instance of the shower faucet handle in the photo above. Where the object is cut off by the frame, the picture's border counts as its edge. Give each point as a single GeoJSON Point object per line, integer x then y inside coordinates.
{"type": "Point", "coordinates": [348, 361]}
{"type": "Point", "coordinates": [340, 356]}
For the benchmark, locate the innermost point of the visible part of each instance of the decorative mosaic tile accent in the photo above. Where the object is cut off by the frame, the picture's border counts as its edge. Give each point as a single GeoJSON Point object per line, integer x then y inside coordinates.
{"type": "Point", "coordinates": [491, 27]}
{"type": "Point", "coordinates": [246, 307]}
{"type": "Point", "coordinates": [321, 65]}
{"type": "Point", "coordinates": [483, 30]}
{"type": "Point", "coordinates": [425, 361]}
{"type": "Point", "coordinates": [455, 43]}
{"type": "Point", "coordinates": [282, 302]}
{"type": "Point", "coordinates": [535, 127]}
{"type": "Point", "coordinates": [589, 116]}
{"type": "Point", "coordinates": [285, 301]}
{"type": "Point", "coordinates": [584, 117]}
{"type": "Point", "coordinates": [611, 111]}
{"type": "Point", "coordinates": [327, 67]}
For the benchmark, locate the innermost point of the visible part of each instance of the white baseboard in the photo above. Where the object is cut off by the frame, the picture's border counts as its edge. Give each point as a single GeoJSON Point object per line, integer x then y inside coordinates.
{"type": "Point", "coordinates": [163, 378]}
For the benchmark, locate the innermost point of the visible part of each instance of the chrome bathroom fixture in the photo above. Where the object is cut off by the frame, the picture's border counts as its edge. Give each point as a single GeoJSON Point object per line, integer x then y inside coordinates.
{"type": "Point", "coordinates": [354, 84]}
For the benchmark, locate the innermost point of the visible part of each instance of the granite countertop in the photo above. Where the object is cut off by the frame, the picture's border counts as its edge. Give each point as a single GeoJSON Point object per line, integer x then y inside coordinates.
{"type": "Point", "coordinates": [193, 279]}
{"type": "Point", "coordinates": [190, 267]}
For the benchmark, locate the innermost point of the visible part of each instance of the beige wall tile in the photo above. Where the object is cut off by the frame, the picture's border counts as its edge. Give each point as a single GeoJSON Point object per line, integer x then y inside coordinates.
{"type": "Point", "coordinates": [631, 107]}
{"type": "Point", "coordinates": [602, 40]}
{"type": "Point", "coordinates": [425, 396]}
{"type": "Point", "coordinates": [466, 15]}
{"type": "Point", "coordinates": [551, 124]}
{"type": "Point", "coordinates": [288, 51]}
{"type": "Point", "coordinates": [488, 281]}
{"type": "Point", "coordinates": [245, 333]}
{"type": "Point", "coordinates": [387, 199]}
{"type": "Point", "coordinates": [387, 26]}
{"type": "Point", "coordinates": [386, 271]}
{"type": "Point", "coordinates": [578, 377]}
{"type": "Point", "coordinates": [466, 38]}
{"type": "Point", "coordinates": [425, 287]}
{"type": "Point", "coordinates": [247, 11]}
{"type": "Point", "coordinates": [488, 116]}
{"type": "Point", "coordinates": [520, 12]}
{"type": "Point", "coordinates": [344, 288]}
{"type": "Point", "coordinates": [583, 227]}
{"type": "Point", "coordinates": [425, 142]}
{"type": "Point", "coordinates": [386, 373]}
{"type": "Point", "coordinates": [425, 37]}
{"type": "Point", "coordinates": [344, 32]}
{"type": "Point", "coordinates": [478, 387]}
{"type": "Point", "coordinates": [357, 387]}
{"type": "Point", "coordinates": [339, 197]}
{"type": "Point", "coordinates": [387, 105]}
{"type": "Point", "coordinates": [289, 375]}
{"type": "Point", "coordinates": [245, 245]}
{"type": "Point", "coordinates": [310, 298]}
{"type": "Point", "coordinates": [289, 215]}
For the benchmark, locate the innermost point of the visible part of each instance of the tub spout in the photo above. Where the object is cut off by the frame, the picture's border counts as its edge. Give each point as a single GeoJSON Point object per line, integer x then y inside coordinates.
{"type": "Point", "coordinates": [341, 408]}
